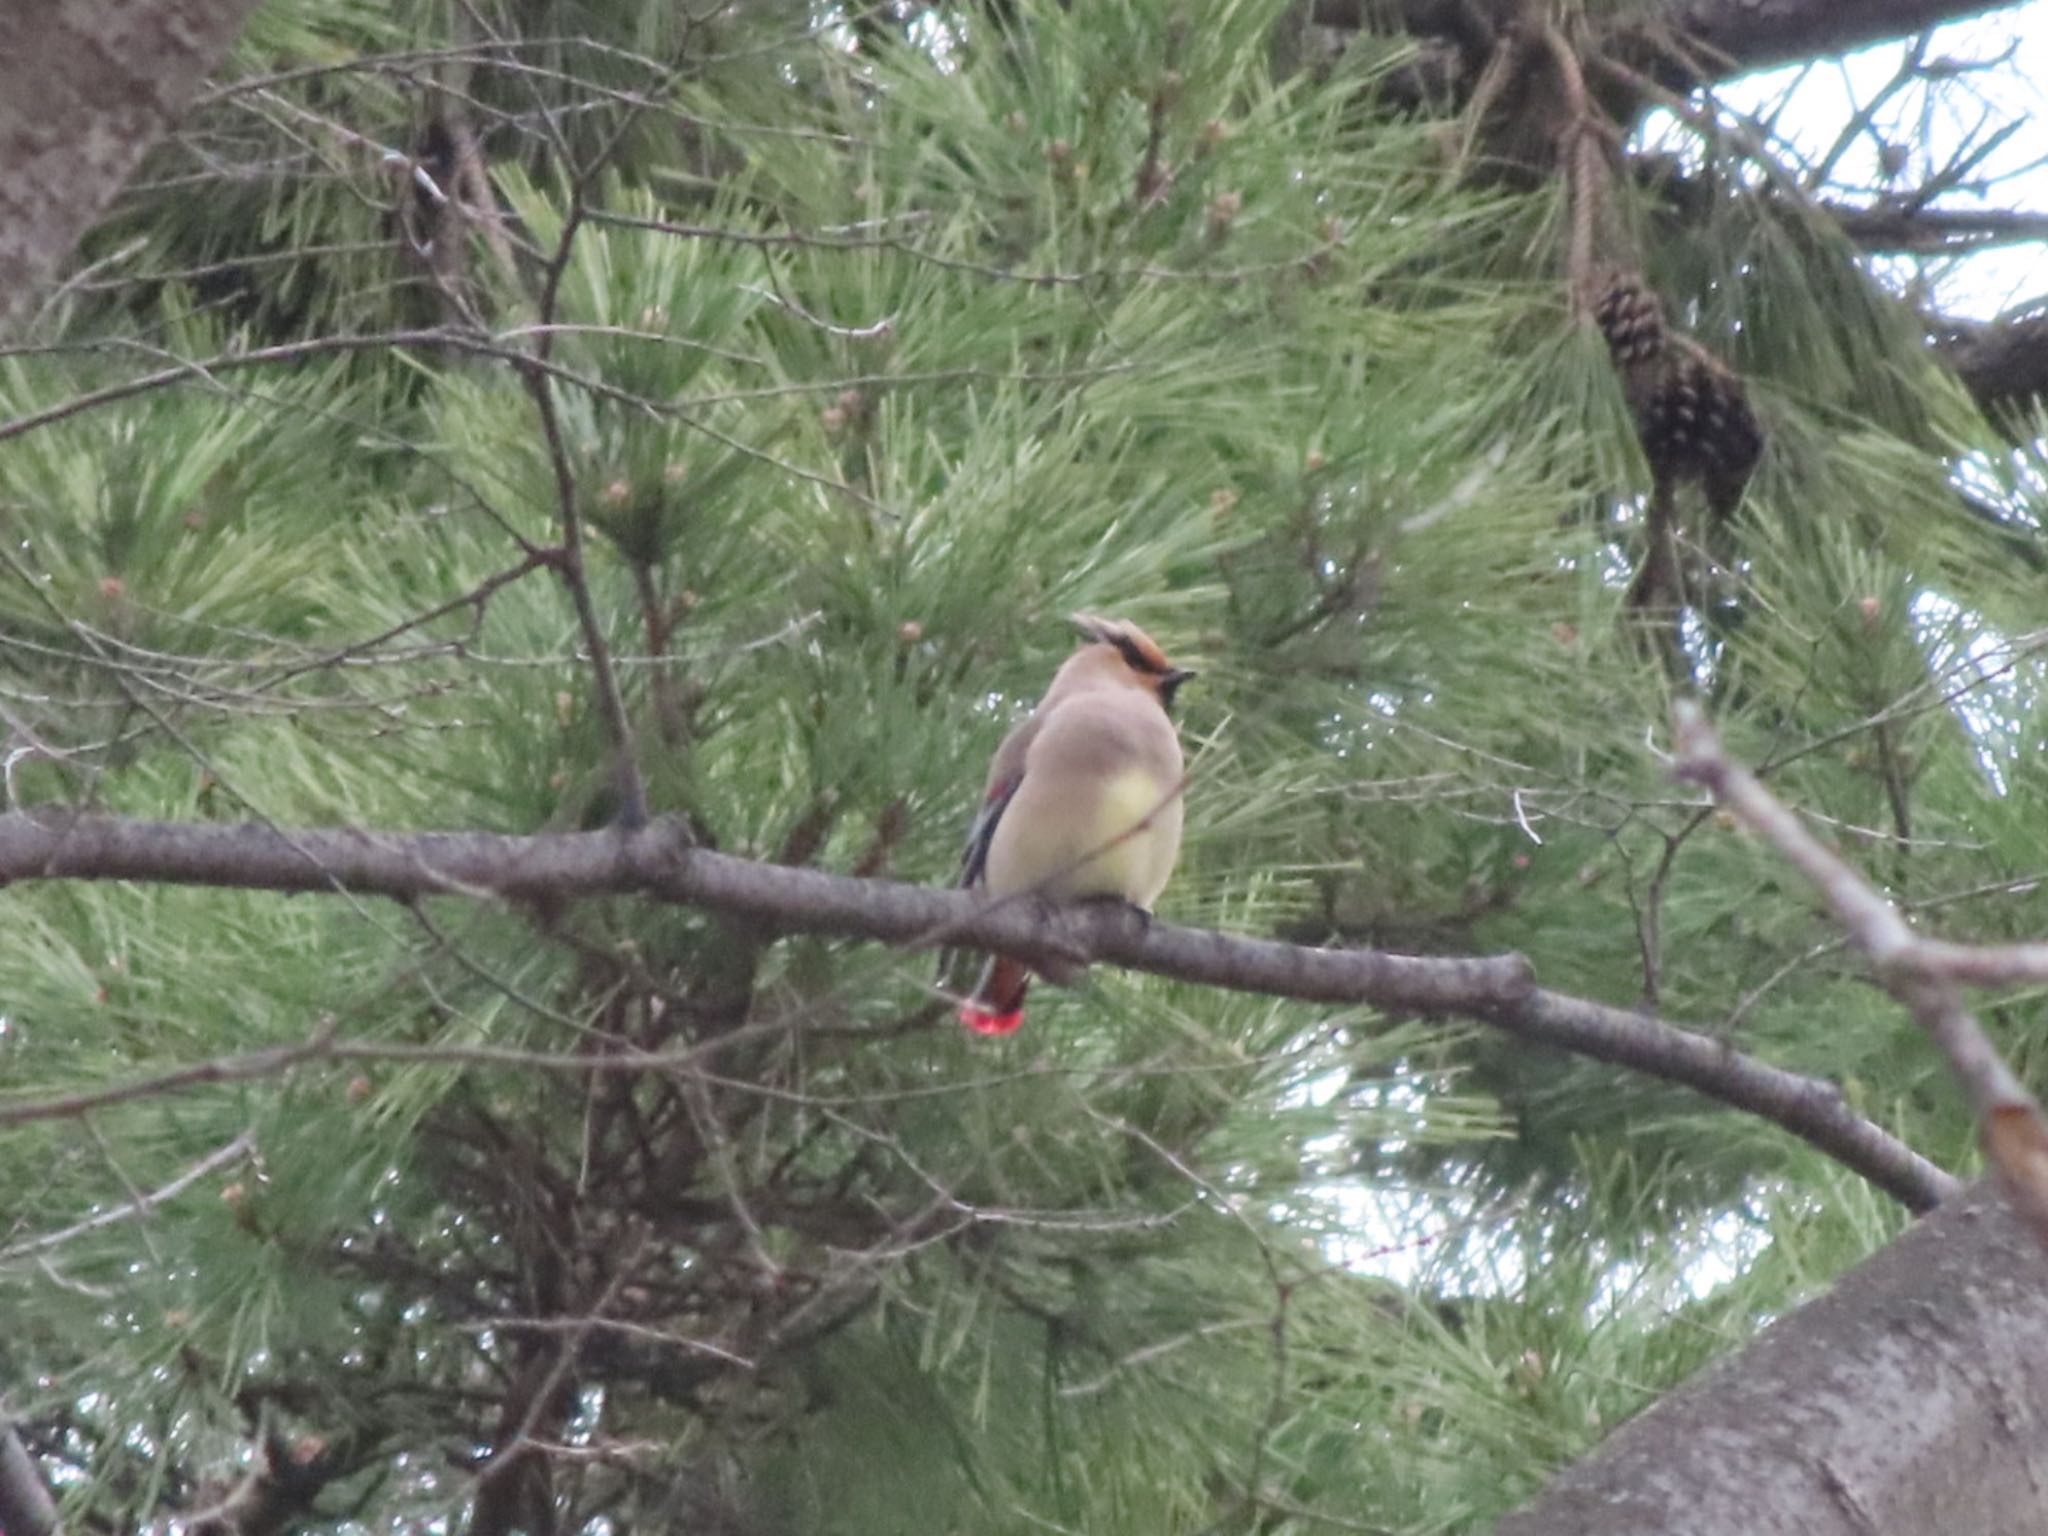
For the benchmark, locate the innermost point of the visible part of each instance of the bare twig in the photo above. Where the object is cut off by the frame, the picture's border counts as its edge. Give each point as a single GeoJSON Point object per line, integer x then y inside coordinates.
{"type": "Point", "coordinates": [631, 788]}
{"type": "Point", "coordinates": [139, 1205]}
{"type": "Point", "coordinates": [628, 1330]}
{"type": "Point", "coordinates": [795, 239]}
{"type": "Point", "coordinates": [879, 330]}
{"type": "Point", "coordinates": [522, 1441]}
{"type": "Point", "coordinates": [1923, 975]}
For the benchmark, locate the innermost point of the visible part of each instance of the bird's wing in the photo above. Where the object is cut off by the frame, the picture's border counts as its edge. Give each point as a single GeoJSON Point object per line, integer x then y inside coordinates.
{"type": "Point", "coordinates": [974, 862]}
{"type": "Point", "coordinates": [1005, 773]}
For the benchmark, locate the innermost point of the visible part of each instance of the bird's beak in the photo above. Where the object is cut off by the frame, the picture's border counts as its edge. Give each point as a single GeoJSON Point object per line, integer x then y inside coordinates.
{"type": "Point", "coordinates": [1169, 685]}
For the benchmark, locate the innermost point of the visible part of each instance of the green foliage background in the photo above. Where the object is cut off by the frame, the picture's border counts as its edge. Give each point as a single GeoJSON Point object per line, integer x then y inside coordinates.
{"type": "Point", "coordinates": [870, 368]}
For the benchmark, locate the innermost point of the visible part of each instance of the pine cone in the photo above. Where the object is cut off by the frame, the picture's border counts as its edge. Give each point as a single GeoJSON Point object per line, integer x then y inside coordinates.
{"type": "Point", "coordinates": [1631, 318]}
{"type": "Point", "coordinates": [1697, 425]}
{"type": "Point", "coordinates": [1692, 413]}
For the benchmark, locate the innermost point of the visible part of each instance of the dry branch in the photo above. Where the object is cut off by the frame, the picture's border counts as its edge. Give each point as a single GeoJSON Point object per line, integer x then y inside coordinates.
{"type": "Point", "coordinates": [658, 862]}
{"type": "Point", "coordinates": [1925, 976]}
{"type": "Point", "coordinates": [139, 1207]}
{"type": "Point", "coordinates": [1936, 231]}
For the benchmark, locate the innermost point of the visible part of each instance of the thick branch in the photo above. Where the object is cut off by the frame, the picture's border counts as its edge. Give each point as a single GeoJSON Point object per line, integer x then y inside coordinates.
{"type": "Point", "coordinates": [1729, 37]}
{"type": "Point", "coordinates": [658, 862]}
{"type": "Point", "coordinates": [1900, 1402]}
{"type": "Point", "coordinates": [2002, 365]}
{"type": "Point", "coordinates": [85, 87]}
{"type": "Point", "coordinates": [1736, 36]}
{"type": "Point", "coordinates": [1889, 224]}
{"type": "Point", "coordinates": [1937, 231]}
{"type": "Point", "coordinates": [1810, 1109]}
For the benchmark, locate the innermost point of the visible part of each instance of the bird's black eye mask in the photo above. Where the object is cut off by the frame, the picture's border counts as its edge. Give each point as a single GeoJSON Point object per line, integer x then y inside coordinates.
{"type": "Point", "coordinates": [1143, 659]}
{"type": "Point", "coordinates": [1140, 662]}
{"type": "Point", "coordinates": [1150, 664]}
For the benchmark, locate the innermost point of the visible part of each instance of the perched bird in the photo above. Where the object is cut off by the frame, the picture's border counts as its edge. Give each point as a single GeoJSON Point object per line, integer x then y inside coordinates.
{"type": "Point", "coordinates": [1084, 797]}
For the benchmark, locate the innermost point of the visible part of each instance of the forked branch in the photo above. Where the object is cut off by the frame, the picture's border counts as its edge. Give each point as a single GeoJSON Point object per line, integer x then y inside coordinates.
{"type": "Point", "coordinates": [1925, 975]}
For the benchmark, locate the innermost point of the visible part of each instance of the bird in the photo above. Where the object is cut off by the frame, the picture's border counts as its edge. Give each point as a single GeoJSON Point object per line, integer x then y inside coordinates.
{"type": "Point", "coordinates": [1083, 799]}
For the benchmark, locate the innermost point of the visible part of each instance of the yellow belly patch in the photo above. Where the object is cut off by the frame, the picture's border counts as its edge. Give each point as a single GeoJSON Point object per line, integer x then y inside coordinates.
{"type": "Point", "coordinates": [1119, 843]}
{"type": "Point", "coordinates": [1124, 849]}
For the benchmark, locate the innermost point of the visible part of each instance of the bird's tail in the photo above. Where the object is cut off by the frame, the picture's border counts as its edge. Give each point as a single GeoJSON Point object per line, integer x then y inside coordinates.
{"type": "Point", "coordinates": [997, 1006]}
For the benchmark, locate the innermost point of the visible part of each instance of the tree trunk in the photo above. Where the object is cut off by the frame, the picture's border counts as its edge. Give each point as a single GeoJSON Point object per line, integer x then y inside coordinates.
{"type": "Point", "coordinates": [86, 86]}
{"type": "Point", "coordinates": [1907, 1399]}
{"type": "Point", "coordinates": [25, 1506]}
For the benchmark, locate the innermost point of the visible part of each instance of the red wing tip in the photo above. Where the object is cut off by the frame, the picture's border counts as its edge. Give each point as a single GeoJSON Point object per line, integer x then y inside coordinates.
{"type": "Point", "coordinates": [982, 1022]}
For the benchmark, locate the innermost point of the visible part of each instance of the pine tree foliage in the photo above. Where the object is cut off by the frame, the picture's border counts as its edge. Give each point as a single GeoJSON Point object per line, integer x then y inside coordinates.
{"type": "Point", "coordinates": [877, 343]}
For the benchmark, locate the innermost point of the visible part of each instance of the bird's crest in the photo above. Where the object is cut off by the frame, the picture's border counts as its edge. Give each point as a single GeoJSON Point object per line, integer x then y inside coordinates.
{"type": "Point", "coordinates": [1135, 646]}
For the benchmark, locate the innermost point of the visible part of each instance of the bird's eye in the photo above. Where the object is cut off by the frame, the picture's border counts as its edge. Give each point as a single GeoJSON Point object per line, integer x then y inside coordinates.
{"type": "Point", "coordinates": [1136, 659]}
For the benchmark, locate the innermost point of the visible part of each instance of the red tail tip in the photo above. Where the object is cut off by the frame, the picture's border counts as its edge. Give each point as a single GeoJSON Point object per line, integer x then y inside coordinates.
{"type": "Point", "coordinates": [982, 1022]}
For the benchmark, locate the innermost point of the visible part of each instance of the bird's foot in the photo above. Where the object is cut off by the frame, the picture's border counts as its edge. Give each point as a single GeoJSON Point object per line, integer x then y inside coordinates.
{"type": "Point", "coordinates": [1135, 915]}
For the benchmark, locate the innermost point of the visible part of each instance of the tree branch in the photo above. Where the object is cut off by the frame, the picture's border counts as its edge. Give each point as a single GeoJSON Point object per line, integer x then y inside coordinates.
{"type": "Point", "coordinates": [2002, 364]}
{"type": "Point", "coordinates": [626, 780]}
{"type": "Point", "coordinates": [1697, 42]}
{"type": "Point", "coordinates": [138, 1207]}
{"type": "Point", "coordinates": [1936, 231]}
{"type": "Point", "coordinates": [1922, 975]}
{"type": "Point", "coordinates": [1736, 36]}
{"type": "Point", "coordinates": [1808, 1107]}
{"type": "Point", "coordinates": [658, 862]}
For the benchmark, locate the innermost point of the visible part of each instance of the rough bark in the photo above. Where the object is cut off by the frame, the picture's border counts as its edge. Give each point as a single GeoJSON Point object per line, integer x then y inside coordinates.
{"type": "Point", "coordinates": [86, 86]}
{"type": "Point", "coordinates": [1907, 1399]}
{"type": "Point", "coordinates": [25, 1507]}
